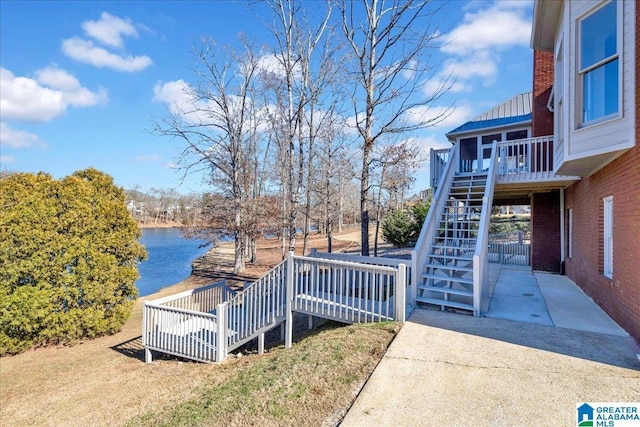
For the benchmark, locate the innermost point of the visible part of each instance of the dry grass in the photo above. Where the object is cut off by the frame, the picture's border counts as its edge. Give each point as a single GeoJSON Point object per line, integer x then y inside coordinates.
{"type": "Point", "coordinates": [105, 382]}
{"type": "Point", "coordinates": [314, 383]}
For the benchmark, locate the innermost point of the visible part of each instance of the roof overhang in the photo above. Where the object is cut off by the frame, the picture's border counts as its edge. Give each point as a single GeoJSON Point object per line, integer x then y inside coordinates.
{"type": "Point", "coordinates": [546, 15]}
{"type": "Point", "coordinates": [486, 127]}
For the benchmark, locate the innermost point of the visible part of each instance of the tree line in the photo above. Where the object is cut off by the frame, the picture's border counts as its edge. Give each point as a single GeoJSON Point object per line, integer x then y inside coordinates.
{"type": "Point", "coordinates": [318, 116]}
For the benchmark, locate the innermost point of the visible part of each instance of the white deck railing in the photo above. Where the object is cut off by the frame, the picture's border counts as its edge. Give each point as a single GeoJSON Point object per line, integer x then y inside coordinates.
{"type": "Point", "coordinates": [522, 160]}
{"type": "Point", "coordinates": [344, 291]}
{"type": "Point", "coordinates": [184, 324]}
{"type": "Point", "coordinates": [528, 159]}
{"type": "Point", "coordinates": [384, 261]}
{"type": "Point", "coordinates": [438, 160]}
{"type": "Point", "coordinates": [511, 248]}
{"type": "Point", "coordinates": [481, 254]}
{"type": "Point", "coordinates": [423, 244]}
{"type": "Point", "coordinates": [349, 291]}
{"type": "Point", "coordinates": [259, 307]}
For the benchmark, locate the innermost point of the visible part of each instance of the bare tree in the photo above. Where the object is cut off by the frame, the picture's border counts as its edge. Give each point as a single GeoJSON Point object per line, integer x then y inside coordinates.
{"type": "Point", "coordinates": [296, 42]}
{"type": "Point", "coordinates": [215, 125]}
{"type": "Point", "coordinates": [390, 41]}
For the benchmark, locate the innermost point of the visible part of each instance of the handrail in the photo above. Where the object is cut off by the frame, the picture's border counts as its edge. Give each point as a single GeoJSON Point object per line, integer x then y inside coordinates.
{"type": "Point", "coordinates": [419, 252]}
{"type": "Point", "coordinates": [480, 256]}
{"type": "Point", "coordinates": [258, 306]}
{"type": "Point", "coordinates": [354, 292]}
{"type": "Point", "coordinates": [438, 160]}
{"type": "Point", "coordinates": [348, 291]}
{"type": "Point", "coordinates": [212, 295]}
{"type": "Point", "coordinates": [526, 159]}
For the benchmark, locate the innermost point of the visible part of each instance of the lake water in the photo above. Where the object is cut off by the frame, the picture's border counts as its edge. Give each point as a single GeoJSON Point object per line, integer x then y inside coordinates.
{"type": "Point", "coordinates": [169, 258]}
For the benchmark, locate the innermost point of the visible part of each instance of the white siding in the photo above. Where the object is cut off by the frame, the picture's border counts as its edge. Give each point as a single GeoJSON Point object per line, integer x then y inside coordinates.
{"type": "Point", "coordinates": [608, 136]}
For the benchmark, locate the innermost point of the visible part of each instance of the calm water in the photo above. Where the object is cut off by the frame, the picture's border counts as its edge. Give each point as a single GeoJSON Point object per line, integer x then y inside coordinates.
{"type": "Point", "coordinates": [169, 258]}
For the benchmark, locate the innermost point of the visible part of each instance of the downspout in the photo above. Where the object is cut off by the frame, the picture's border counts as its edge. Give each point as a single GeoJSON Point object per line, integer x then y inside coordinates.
{"type": "Point", "coordinates": [563, 243]}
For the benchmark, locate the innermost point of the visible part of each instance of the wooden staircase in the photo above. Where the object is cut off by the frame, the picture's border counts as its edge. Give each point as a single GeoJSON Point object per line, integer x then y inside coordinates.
{"type": "Point", "coordinates": [447, 275]}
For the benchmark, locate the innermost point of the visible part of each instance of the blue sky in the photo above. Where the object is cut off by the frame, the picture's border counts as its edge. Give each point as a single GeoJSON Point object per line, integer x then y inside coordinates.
{"type": "Point", "coordinates": [78, 78]}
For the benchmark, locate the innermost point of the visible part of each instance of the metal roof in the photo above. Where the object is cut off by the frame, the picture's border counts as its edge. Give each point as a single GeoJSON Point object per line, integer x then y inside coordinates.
{"type": "Point", "coordinates": [514, 110]}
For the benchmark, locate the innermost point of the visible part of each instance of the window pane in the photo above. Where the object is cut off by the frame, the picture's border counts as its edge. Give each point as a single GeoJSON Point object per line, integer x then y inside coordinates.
{"type": "Point", "coordinates": [518, 134]}
{"type": "Point", "coordinates": [488, 139]}
{"type": "Point", "coordinates": [598, 36]}
{"type": "Point", "coordinates": [600, 91]}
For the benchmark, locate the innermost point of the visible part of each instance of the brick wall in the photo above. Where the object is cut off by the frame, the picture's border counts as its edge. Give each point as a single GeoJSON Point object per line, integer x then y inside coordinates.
{"type": "Point", "coordinates": [619, 296]}
{"type": "Point", "coordinates": [545, 231]}
{"type": "Point", "coordinates": [542, 118]}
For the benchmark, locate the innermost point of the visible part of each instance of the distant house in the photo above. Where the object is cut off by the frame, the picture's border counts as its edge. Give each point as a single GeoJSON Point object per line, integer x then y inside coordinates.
{"type": "Point", "coordinates": [567, 150]}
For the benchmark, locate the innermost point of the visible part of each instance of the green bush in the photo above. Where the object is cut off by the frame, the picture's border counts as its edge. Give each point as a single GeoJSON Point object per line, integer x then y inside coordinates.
{"type": "Point", "coordinates": [400, 228]}
{"type": "Point", "coordinates": [419, 213]}
{"type": "Point", "coordinates": [397, 228]}
{"type": "Point", "coordinates": [68, 259]}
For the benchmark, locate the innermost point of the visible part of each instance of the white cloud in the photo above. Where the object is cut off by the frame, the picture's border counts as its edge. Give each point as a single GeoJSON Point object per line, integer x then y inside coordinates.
{"type": "Point", "coordinates": [270, 64]}
{"type": "Point", "coordinates": [44, 97]}
{"type": "Point", "coordinates": [15, 138]}
{"type": "Point", "coordinates": [501, 26]}
{"type": "Point", "coordinates": [442, 81]}
{"type": "Point", "coordinates": [7, 159]}
{"type": "Point", "coordinates": [440, 116]}
{"type": "Point", "coordinates": [148, 158]}
{"type": "Point", "coordinates": [109, 30]}
{"type": "Point", "coordinates": [176, 95]}
{"type": "Point", "coordinates": [85, 51]}
{"type": "Point", "coordinates": [474, 46]}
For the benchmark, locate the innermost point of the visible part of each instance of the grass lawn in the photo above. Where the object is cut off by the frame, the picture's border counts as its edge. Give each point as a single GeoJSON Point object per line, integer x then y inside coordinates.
{"type": "Point", "coordinates": [106, 382]}
{"type": "Point", "coordinates": [313, 383]}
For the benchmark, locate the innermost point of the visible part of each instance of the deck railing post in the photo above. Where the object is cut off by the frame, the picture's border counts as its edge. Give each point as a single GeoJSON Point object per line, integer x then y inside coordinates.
{"type": "Point", "coordinates": [221, 335]}
{"type": "Point", "coordinates": [413, 279]}
{"type": "Point", "coordinates": [401, 289]}
{"type": "Point", "coordinates": [288, 338]}
{"type": "Point", "coordinates": [148, 358]}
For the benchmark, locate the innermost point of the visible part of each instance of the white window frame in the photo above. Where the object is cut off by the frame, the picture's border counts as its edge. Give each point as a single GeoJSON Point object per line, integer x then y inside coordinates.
{"type": "Point", "coordinates": [580, 72]}
{"type": "Point", "coordinates": [608, 236]}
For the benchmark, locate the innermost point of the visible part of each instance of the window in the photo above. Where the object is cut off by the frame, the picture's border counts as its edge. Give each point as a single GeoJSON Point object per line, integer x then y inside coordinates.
{"type": "Point", "coordinates": [517, 134]}
{"type": "Point", "coordinates": [598, 64]}
{"type": "Point", "coordinates": [570, 231]}
{"type": "Point", "coordinates": [608, 236]}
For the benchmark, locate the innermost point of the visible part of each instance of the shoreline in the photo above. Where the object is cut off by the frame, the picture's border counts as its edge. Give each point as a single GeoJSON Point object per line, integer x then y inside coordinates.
{"type": "Point", "coordinates": [159, 225]}
{"type": "Point", "coordinates": [217, 262]}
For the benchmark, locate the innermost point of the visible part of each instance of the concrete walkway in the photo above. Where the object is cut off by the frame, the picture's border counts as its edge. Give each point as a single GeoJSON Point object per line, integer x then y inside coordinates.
{"type": "Point", "coordinates": [457, 370]}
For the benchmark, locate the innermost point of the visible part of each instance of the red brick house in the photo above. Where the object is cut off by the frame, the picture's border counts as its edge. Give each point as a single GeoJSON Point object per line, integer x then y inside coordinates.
{"type": "Point", "coordinates": [591, 50]}
{"type": "Point", "coordinates": [568, 150]}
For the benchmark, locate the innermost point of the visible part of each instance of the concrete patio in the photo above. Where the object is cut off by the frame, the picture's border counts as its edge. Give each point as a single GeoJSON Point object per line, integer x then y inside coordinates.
{"type": "Point", "coordinates": [543, 348]}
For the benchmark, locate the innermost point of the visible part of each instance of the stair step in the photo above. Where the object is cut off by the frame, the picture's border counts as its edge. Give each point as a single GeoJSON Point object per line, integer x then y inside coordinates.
{"type": "Point", "coordinates": [444, 303]}
{"type": "Point", "coordinates": [448, 267]}
{"type": "Point", "coordinates": [445, 230]}
{"type": "Point", "coordinates": [445, 290]}
{"type": "Point", "coordinates": [450, 258]}
{"type": "Point", "coordinates": [437, 239]}
{"type": "Point", "coordinates": [441, 278]}
{"type": "Point", "coordinates": [470, 247]}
